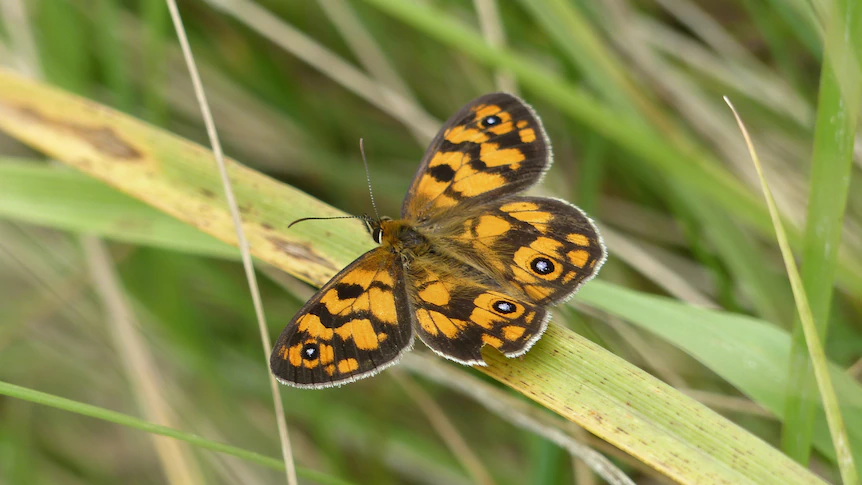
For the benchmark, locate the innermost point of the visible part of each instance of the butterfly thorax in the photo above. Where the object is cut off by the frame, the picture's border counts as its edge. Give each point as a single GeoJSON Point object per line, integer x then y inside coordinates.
{"type": "Point", "coordinates": [401, 237]}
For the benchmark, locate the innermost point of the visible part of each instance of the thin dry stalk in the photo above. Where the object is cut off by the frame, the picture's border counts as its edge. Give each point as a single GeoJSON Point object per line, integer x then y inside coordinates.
{"type": "Point", "coordinates": [444, 427]}
{"type": "Point", "coordinates": [855, 370]}
{"type": "Point", "coordinates": [372, 57]}
{"type": "Point", "coordinates": [287, 455]}
{"type": "Point", "coordinates": [654, 269]}
{"type": "Point", "coordinates": [583, 474]}
{"type": "Point", "coordinates": [176, 459]}
{"type": "Point", "coordinates": [314, 54]}
{"type": "Point", "coordinates": [492, 30]}
{"type": "Point", "coordinates": [517, 412]}
{"type": "Point", "coordinates": [23, 48]}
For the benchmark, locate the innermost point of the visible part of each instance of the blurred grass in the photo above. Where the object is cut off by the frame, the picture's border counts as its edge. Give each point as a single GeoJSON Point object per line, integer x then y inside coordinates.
{"type": "Point", "coordinates": [608, 397]}
{"type": "Point", "coordinates": [832, 160]}
{"type": "Point", "coordinates": [831, 406]}
{"type": "Point", "coordinates": [612, 144]}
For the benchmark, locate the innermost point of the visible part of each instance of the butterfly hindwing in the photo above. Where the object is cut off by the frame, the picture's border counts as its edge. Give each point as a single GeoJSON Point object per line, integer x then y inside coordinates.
{"type": "Point", "coordinates": [492, 147]}
{"type": "Point", "coordinates": [356, 325]}
{"type": "Point", "coordinates": [457, 311]}
{"type": "Point", "coordinates": [544, 249]}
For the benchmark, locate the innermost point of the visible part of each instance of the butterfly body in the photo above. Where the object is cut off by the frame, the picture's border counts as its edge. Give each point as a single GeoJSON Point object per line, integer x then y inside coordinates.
{"type": "Point", "coordinates": [400, 237]}
{"type": "Point", "coordinates": [470, 263]}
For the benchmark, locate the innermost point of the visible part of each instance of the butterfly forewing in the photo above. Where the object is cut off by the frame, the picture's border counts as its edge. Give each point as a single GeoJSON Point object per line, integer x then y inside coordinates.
{"type": "Point", "coordinates": [356, 325]}
{"type": "Point", "coordinates": [493, 146]}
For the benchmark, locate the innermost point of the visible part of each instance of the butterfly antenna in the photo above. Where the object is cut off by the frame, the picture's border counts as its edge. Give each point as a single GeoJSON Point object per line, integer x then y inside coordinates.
{"type": "Point", "coordinates": [321, 219]}
{"type": "Point", "coordinates": [368, 177]}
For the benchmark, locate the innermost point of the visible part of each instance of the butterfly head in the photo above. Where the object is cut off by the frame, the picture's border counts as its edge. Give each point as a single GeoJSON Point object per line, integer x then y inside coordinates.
{"type": "Point", "coordinates": [376, 227]}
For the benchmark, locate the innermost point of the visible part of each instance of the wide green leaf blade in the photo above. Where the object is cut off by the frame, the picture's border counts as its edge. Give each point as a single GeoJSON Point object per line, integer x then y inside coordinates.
{"type": "Point", "coordinates": [69, 200]}
{"type": "Point", "coordinates": [747, 352]}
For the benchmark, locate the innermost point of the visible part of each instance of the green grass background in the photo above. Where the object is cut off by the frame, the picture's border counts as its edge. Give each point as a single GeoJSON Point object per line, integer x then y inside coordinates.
{"type": "Point", "coordinates": [630, 93]}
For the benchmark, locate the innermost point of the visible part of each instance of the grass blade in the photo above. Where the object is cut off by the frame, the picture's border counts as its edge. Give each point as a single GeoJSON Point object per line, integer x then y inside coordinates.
{"type": "Point", "coordinates": [112, 56]}
{"type": "Point", "coordinates": [815, 348]}
{"type": "Point", "coordinates": [831, 165]}
{"type": "Point", "coordinates": [749, 353]}
{"type": "Point", "coordinates": [242, 241]}
{"type": "Point", "coordinates": [84, 409]}
{"type": "Point", "coordinates": [69, 200]}
{"type": "Point", "coordinates": [177, 462]}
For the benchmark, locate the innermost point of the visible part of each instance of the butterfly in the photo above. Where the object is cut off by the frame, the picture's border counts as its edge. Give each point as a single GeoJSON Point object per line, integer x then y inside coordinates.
{"type": "Point", "coordinates": [470, 263]}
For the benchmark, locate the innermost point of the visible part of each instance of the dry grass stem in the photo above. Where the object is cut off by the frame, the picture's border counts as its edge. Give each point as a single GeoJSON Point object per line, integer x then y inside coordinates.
{"type": "Point", "coordinates": [287, 455]}
{"type": "Point", "coordinates": [492, 29]}
{"type": "Point", "coordinates": [324, 60]}
{"type": "Point", "coordinates": [179, 466]}
{"type": "Point", "coordinates": [515, 411]}
{"type": "Point", "coordinates": [654, 269]}
{"type": "Point", "coordinates": [445, 429]}
{"type": "Point", "coordinates": [373, 59]}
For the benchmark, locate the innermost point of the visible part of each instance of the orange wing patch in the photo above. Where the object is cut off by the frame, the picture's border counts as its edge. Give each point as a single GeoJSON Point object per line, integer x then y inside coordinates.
{"type": "Point", "coordinates": [529, 212]}
{"type": "Point", "coordinates": [436, 294]}
{"type": "Point", "coordinates": [492, 155]}
{"type": "Point", "coordinates": [437, 323]}
{"type": "Point", "coordinates": [431, 293]}
{"type": "Point", "coordinates": [460, 134]}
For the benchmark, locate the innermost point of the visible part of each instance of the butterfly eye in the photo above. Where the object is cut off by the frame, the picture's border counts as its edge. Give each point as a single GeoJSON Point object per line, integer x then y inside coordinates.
{"type": "Point", "coordinates": [310, 351]}
{"type": "Point", "coordinates": [505, 307]}
{"type": "Point", "coordinates": [542, 266]}
{"type": "Point", "coordinates": [492, 120]}
{"type": "Point", "coordinates": [377, 235]}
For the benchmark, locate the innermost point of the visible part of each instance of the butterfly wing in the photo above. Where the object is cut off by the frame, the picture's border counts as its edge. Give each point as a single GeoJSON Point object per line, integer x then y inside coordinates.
{"type": "Point", "coordinates": [541, 249]}
{"type": "Point", "coordinates": [494, 146]}
{"type": "Point", "coordinates": [355, 326]}
{"type": "Point", "coordinates": [457, 310]}
{"type": "Point", "coordinates": [497, 258]}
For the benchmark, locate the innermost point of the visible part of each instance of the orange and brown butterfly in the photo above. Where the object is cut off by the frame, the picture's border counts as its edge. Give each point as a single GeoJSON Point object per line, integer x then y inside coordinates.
{"type": "Point", "coordinates": [470, 263]}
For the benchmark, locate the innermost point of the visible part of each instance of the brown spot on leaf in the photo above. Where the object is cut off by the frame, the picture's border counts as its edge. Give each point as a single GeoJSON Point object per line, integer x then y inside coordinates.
{"type": "Point", "coordinates": [300, 251]}
{"type": "Point", "coordinates": [267, 226]}
{"type": "Point", "coordinates": [106, 141]}
{"type": "Point", "coordinates": [305, 276]}
{"type": "Point", "coordinates": [102, 138]}
{"type": "Point", "coordinates": [209, 194]}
